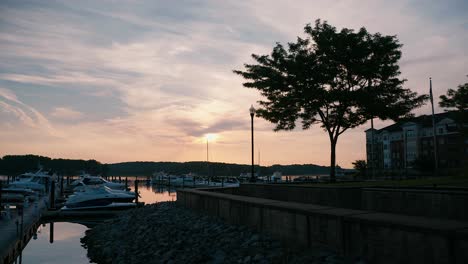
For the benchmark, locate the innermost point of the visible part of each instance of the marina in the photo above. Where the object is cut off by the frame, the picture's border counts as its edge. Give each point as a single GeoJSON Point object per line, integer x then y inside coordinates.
{"type": "Point", "coordinates": [24, 224]}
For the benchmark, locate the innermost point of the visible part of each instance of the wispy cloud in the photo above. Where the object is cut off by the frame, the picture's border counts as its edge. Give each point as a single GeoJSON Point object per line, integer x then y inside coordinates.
{"type": "Point", "coordinates": [146, 79]}
{"type": "Point", "coordinates": [66, 113]}
{"type": "Point", "coordinates": [26, 114]}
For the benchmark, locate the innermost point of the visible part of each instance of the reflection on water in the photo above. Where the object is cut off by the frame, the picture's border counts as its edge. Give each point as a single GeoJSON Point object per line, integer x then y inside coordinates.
{"type": "Point", "coordinates": [59, 242]}
{"type": "Point", "coordinates": [62, 247]}
{"type": "Point", "coordinates": [154, 193]}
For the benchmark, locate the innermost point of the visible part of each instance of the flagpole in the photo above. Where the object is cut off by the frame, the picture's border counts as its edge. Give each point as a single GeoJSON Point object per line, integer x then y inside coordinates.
{"type": "Point", "coordinates": [436, 160]}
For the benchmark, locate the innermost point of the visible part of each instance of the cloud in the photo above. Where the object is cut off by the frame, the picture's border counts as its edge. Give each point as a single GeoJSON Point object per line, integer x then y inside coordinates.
{"type": "Point", "coordinates": [28, 115]}
{"type": "Point", "coordinates": [7, 94]}
{"type": "Point", "coordinates": [144, 80]}
{"type": "Point", "coordinates": [66, 113]}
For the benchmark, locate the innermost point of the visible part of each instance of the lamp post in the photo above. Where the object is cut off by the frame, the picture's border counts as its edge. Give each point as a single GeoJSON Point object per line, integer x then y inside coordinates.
{"type": "Point", "coordinates": [207, 159]}
{"type": "Point", "coordinates": [252, 113]}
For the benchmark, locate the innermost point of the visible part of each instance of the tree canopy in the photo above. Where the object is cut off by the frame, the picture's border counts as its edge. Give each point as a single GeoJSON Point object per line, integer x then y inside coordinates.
{"type": "Point", "coordinates": [337, 79]}
{"type": "Point", "coordinates": [361, 167]}
{"type": "Point", "coordinates": [457, 99]}
{"type": "Point", "coordinates": [16, 164]}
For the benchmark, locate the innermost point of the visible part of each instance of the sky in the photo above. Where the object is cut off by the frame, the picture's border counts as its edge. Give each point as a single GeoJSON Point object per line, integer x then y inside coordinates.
{"type": "Point", "coordinates": [146, 80]}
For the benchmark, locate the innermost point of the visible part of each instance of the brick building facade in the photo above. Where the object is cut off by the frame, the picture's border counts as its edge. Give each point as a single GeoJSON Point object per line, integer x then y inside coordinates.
{"type": "Point", "coordinates": [409, 145]}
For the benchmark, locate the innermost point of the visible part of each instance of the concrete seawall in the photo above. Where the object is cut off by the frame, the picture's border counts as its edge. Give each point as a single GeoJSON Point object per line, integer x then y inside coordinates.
{"type": "Point", "coordinates": [377, 237]}
{"type": "Point", "coordinates": [437, 203]}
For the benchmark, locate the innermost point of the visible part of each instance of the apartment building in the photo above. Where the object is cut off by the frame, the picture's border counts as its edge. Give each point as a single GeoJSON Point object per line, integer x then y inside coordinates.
{"type": "Point", "coordinates": [409, 144]}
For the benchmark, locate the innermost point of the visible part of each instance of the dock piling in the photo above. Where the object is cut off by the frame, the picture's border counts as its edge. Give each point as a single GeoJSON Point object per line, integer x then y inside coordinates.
{"type": "Point", "coordinates": [61, 186]}
{"type": "Point", "coordinates": [126, 183]}
{"type": "Point", "coordinates": [47, 185]}
{"type": "Point", "coordinates": [52, 195]}
{"type": "Point", "coordinates": [21, 214]}
{"type": "Point", "coordinates": [136, 191]}
{"type": "Point", "coordinates": [51, 237]}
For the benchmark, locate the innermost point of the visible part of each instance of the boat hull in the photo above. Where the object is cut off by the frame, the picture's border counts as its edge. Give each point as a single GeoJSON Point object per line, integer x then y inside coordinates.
{"type": "Point", "coordinates": [100, 202]}
{"type": "Point", "coordinates": [108, 207]}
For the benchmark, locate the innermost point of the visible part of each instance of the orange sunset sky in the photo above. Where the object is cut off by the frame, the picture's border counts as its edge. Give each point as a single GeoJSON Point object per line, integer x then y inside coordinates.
{"type": "Point", "coordinates": [146, 80]}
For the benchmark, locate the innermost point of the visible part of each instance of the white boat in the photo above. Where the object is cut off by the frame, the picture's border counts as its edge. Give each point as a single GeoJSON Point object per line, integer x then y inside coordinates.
{"type": "Point", "coordinates": [224, 182]}
{"type": "Point", "coordinates": [98, 196]}
{"type": "Point", "coordinates": [276, 177]}
{"type": "Point", "coordinates": [88, 181]}
{"type": "Point", "coordinates": [36, 181]}
{"type": "Point", "coordinates": [111, 207]}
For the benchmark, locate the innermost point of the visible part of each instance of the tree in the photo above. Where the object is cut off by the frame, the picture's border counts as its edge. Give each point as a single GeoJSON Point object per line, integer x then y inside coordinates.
{"type": "Point", "coordinates": [457, 99]}
{"type": "Point", "coordinates": [361, 167]}
{"type": "Point", "coordinates": [336, 79]}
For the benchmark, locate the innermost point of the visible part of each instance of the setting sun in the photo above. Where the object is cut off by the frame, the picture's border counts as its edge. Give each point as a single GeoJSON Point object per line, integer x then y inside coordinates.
{"type": "Point", "coordinates": [211, 137]}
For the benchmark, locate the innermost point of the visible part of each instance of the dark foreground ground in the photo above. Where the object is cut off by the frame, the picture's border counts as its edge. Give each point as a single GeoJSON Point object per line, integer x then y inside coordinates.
{"type": "Point", "coordinates": [165, 233]}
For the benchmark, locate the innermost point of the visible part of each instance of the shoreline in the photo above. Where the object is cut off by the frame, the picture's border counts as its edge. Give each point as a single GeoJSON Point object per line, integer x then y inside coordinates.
{"type": "Point", "coordinates": [165, 233]}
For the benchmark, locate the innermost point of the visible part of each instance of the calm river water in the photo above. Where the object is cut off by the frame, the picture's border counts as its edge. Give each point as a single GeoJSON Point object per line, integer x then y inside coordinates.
{"type": "Point", "coordinates": [65, 245]}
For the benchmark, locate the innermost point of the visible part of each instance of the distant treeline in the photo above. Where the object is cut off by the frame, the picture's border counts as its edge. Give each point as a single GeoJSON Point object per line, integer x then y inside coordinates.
{"type": "Point", "coordinates": [17, 164]}
{"type": "Point", "coordinates": [213, 168]}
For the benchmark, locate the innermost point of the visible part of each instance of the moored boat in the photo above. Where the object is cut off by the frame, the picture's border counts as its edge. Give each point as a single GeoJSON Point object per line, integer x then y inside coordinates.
{"type": "Point", "coordinates": [98, 196]}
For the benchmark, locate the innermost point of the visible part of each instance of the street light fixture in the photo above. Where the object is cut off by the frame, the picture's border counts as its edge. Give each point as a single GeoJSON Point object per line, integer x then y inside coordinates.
{"type": "Point", "coordinates": [252, 113]}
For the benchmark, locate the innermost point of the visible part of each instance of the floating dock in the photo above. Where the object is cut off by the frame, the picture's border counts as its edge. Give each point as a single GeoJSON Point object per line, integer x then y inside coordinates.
{"type": "Point", "coordinates": [18, 230]}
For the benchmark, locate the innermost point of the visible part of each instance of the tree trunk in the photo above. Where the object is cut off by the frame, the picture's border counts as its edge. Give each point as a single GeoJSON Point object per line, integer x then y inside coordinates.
{"type": "Point", "coordinates": [332, 160]}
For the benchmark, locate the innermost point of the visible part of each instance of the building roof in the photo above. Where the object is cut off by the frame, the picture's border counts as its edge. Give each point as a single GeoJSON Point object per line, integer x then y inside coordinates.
{"type": "Point", "coordinates": [422, 120]}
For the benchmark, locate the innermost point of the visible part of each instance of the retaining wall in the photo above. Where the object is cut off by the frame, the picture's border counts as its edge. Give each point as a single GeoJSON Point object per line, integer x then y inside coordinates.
{"type": "Point", "coordinates": [377, 237]}
{"type": "Point", "coordinates": [444, 204]}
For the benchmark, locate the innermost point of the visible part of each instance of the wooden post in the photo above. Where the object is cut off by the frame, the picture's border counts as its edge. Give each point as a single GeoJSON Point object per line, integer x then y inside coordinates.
{"type": "Point", "coordinates": [136, 191]}
{"type": "Point", "coordinates": [1, 206]}
{"type": "Point", "coordinates": [51, 237]}
{"type": "Point", "coordinates": [52, 195]}
{"type": "Point", "coordinates": [61, 186]}
{"type": "Point", "coordinates": [47, 185]}
{"type": "Point", "coordinates": [120, 179]}
{"type": "Point", "coordinates": [21, 214]}
{"type": "Point", "coordinates": [126, 183]}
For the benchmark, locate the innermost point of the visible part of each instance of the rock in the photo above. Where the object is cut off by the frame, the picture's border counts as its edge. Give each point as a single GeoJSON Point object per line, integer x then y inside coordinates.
{"type": "Point", "coordinates": [258, 257]}
{"type": "Point", "coordinates": [167, 233]}
{"type": "Point", "coordinates": [218, 257]}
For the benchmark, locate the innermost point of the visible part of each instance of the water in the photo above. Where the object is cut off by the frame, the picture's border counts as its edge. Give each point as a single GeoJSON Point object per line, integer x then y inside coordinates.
{"type": "Point", "coordinates": [66, 246]}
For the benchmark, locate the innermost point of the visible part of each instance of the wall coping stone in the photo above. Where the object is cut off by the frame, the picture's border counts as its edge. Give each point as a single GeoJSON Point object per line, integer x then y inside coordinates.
{"type": "Point", "coordinates": [407, 221]}
{"type": "Point", "coordinates": [414, 222]}
{"type": "Point", "coordinates": [457, 192]}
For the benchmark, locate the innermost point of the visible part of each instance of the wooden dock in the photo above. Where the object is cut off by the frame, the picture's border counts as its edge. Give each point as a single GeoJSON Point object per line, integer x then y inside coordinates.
{"type": "Point", "coordinates": [18, 230]}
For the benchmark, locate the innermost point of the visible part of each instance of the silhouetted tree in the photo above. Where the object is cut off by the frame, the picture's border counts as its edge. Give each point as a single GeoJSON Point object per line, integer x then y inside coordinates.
{"type": "Point", "coordinates": [336, 79]}
{"type": "Point", "coordinates": [457, 99]}
{"type": "Point", "coordinates": [361, 167]}
{"type": "Point", "coordinates": [16, 164]}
